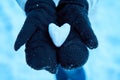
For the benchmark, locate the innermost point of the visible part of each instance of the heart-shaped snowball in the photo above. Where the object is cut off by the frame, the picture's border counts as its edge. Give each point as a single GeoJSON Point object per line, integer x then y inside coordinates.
{"type": "Point", "coordinates": [58, 34]}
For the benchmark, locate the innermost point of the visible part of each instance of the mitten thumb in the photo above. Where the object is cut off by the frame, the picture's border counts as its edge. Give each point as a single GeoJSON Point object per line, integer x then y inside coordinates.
{"type": "Point", "coordinates": [26, 32]}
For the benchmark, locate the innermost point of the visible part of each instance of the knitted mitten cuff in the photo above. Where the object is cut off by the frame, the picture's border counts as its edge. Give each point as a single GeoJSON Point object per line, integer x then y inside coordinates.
{"type": "Point", "coordinates": [82, 3]}
{"type": "Point", "coordinates": [37, 4]}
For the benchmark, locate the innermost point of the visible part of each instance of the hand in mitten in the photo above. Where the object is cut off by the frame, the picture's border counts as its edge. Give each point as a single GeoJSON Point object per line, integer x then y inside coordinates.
{"type": "Point", "coordinates": [75, 12]}
{"type": "Point", "coordinates": [73, 53]}
{"type": "Point", "coordinates": [40, 51]}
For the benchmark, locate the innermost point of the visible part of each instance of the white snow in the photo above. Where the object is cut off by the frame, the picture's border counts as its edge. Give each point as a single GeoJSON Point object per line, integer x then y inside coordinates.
{"type": "Point", "coordinates": [103, 63]}
{"type": "Point", "coordinates": [59, 34]}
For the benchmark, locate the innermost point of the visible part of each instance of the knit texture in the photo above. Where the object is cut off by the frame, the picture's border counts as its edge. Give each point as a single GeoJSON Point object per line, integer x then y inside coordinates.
{"type": "Point", "coordinates": [73, 52]}
{"type": "Point", "coordinates": [40, 51]}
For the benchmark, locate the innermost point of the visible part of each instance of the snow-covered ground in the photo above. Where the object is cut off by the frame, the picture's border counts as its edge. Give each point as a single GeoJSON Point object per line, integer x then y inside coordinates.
{"type": "Point", "coordinates": [103, 63]}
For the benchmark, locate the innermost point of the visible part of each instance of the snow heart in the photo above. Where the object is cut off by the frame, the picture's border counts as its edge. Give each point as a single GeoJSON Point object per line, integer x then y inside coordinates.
{"type": "Point", "coordinates": [58, 34]}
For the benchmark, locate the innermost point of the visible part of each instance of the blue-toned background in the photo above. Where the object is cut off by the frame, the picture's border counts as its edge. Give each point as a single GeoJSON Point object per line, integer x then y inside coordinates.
{"type": "Point", "coordinates": [103, 63]}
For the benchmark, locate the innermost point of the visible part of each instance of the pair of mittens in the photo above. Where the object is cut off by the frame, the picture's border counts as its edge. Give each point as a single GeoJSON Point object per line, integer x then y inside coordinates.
{"type": "Point", "coordinates": [40, 51]}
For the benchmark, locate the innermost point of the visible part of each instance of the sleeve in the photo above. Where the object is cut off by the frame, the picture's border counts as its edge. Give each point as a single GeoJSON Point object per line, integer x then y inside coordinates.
{"type": "Point", "coordinates": [21, 3]}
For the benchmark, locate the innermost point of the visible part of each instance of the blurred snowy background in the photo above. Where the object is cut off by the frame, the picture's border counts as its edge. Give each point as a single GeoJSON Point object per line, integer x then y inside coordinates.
{"type": "Point", "coordinates": [103, 63]}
